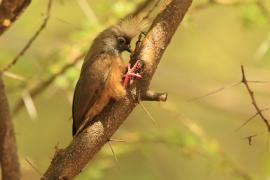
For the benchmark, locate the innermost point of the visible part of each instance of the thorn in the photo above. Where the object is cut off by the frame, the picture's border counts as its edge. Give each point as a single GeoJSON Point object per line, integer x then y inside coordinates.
{"type": "Point", "coordinates": [267, 142]}
{"type": "Point", "coordinates": [148, 113]}
{"type": "Point", "coordinates": [249, 138]}
{"type": "Point", "coordinates": [258, 81]}
{"type": "Point", "coordinates": [249, 119]}
{"type": "Point", "coordinates": [114, 155]}
{"type": "Point", "coordinates": [214, 92]}
{"type": "Point", "coordinates": [34, 167]}
{"type": "Point", "coordinates": [117, 140]}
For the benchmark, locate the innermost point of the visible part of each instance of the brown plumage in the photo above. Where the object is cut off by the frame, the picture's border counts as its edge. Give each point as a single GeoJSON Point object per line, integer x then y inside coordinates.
{"type": "Point", "coordinates": [102, 72]}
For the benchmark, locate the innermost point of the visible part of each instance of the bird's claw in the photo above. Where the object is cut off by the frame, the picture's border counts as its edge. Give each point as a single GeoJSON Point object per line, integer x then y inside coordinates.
{"type": "Point", "coordinates": [133, 72]}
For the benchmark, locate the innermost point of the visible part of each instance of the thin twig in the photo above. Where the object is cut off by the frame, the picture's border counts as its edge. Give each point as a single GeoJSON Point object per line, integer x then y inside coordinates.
{"type": "Point", "coordinates": [249, 119]}
{"type": "Point", "coordinates": [118, 140]}
{"type": "Point", "coordinates": [254, 102]}
{"type": "Point", "coordinates": [199, 132]}
{"type": "Point", "coordinates": [14, 76]}
{"type": "Point", "coordinates": [39, 88]}
{"type": "Point", "coordinates": [148, 113]}
{"type": "Point", "coordinates": [258, 82]}
{"type": "Point", "coordinates": [30, 105]}
{"type": "Point", "coordinates": [224, 88]}
{"type": "Point", "coordinates": [34, 167]}
{"type": "Point", "coordinates": [215, 91]}
{"type": "Point", "coordinates": [114, 155]}
{"type": "Point", "coordinates": [31, 40]}
{"type": "Point", "coordinates": [267, 142]}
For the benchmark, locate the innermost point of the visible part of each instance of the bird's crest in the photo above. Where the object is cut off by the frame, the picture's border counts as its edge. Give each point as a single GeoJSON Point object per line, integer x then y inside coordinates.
{"type": "Point", "coordinates": [132, 26]}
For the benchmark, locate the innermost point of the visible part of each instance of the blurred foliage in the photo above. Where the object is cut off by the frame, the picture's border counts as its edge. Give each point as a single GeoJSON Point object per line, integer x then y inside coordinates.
{"type": "Point", "coordinates": [253, 15]}
{"type": "Point", "coordinates": [193, 140]}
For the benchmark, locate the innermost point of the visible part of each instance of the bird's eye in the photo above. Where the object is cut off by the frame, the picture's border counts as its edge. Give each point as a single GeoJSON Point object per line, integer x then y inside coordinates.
{"type": "Point", "coordinates": [121, 40]}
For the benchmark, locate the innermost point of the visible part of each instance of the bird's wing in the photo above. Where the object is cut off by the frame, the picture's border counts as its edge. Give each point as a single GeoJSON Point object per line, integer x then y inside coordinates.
{"type": "Point", "coordinates": [89, 88]}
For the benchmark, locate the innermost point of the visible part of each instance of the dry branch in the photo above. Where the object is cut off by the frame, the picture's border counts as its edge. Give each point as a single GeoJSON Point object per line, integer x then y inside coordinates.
{"type": "Point", "coordinates": [8, 150]}
{"type": "Point", "coordinates": [10, 167]}
{"type": "Point", "coordinates": [69, 162]}
{"type": "Point", "coordinates": [31, 40]}
{"type": "Point", "coordinates": [43, 85]}
{"type": "Point", "coordinates": [10, 11]}
{"type": "Point", "coordinates": [253, 100]}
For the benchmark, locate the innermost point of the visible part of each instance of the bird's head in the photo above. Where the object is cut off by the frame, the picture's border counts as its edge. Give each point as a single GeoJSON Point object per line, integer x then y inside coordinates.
{"type": "Point", "coordinates": [122, 43]}
{"type": "Point", "coordinates": [118, 37]}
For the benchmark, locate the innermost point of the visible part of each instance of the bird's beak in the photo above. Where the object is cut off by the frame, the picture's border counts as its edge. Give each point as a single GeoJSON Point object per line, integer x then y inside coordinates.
{"type": "Point", "coordinates": [128, 49]}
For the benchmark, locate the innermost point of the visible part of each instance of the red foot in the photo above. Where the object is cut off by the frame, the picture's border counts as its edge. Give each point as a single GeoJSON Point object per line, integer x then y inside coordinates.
{"type": "Point", "coordinates": [132, 73]}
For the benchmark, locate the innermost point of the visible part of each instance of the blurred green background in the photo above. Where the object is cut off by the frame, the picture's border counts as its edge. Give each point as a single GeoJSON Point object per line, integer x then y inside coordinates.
{"type": "Point", "coordinates": [192, 139]}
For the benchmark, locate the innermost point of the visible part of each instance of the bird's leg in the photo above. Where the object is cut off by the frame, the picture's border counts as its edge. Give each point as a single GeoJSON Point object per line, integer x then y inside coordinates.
{"type": "Point", "coordinates": [133, 72]}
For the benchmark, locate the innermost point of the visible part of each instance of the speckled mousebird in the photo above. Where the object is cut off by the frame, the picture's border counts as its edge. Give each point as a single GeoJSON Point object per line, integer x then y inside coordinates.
{"type": "Point", "coordinates": [102, 72]}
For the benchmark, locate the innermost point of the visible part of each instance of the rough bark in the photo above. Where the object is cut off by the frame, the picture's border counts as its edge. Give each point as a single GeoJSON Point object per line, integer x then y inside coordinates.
{"type": "Point", "coordinates": [8, 150]}
{"type": "Point", "coordinates": [68, 162]}
{"type": "Point", "coordinates": [10, 11]}
{"type": "Point", "coordinates": [10, 167]}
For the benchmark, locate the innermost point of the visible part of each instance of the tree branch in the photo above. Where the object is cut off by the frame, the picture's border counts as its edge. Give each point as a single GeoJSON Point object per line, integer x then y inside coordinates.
{"type": "Point", "coordinates": [153, 96]}
{"type": "Point", "coordinates": [10, 167]}
{"type": "Point", "coordinates": [43, 85]}
{"type": "Point", "coordinates": [31, 40]}
{"type": "Point", "coordinates": [69, 162]}
{"type": "Point", "coordinates": [8, 150]}
{"type": "Point", "coordinates": [10, 11]}
{"type": "Point", "coordinates": [253, 100]}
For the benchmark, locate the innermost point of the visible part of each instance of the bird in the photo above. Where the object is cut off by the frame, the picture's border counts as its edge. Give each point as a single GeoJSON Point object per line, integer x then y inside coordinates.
{"type": "Point", "coordinates": [103, 70]}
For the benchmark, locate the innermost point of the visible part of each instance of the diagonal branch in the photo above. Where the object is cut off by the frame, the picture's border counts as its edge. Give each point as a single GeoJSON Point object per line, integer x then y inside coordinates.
{"type": "Point", "coordinates": [249, 119]}
{"type": "Point", "coordinates": [254, 102]}
{"type": "Point", "coordinates": [43, 85]}
{"type": "Point", "coordinates": [31, 40]}
{"type": "Point", "coordinates": [68, 162]}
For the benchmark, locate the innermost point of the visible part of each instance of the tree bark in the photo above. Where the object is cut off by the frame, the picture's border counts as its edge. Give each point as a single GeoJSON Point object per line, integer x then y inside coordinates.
{"type": "Point", "coordinates": [10, 11]}
{"type": "Point", "coordinates": [8, 150]}
{"type": "Point", "coordinates": [68, 162]}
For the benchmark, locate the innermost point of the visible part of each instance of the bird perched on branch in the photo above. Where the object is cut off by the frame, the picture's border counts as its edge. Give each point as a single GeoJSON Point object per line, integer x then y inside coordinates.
{"type": "Point", "coordinates": [102, 72]}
